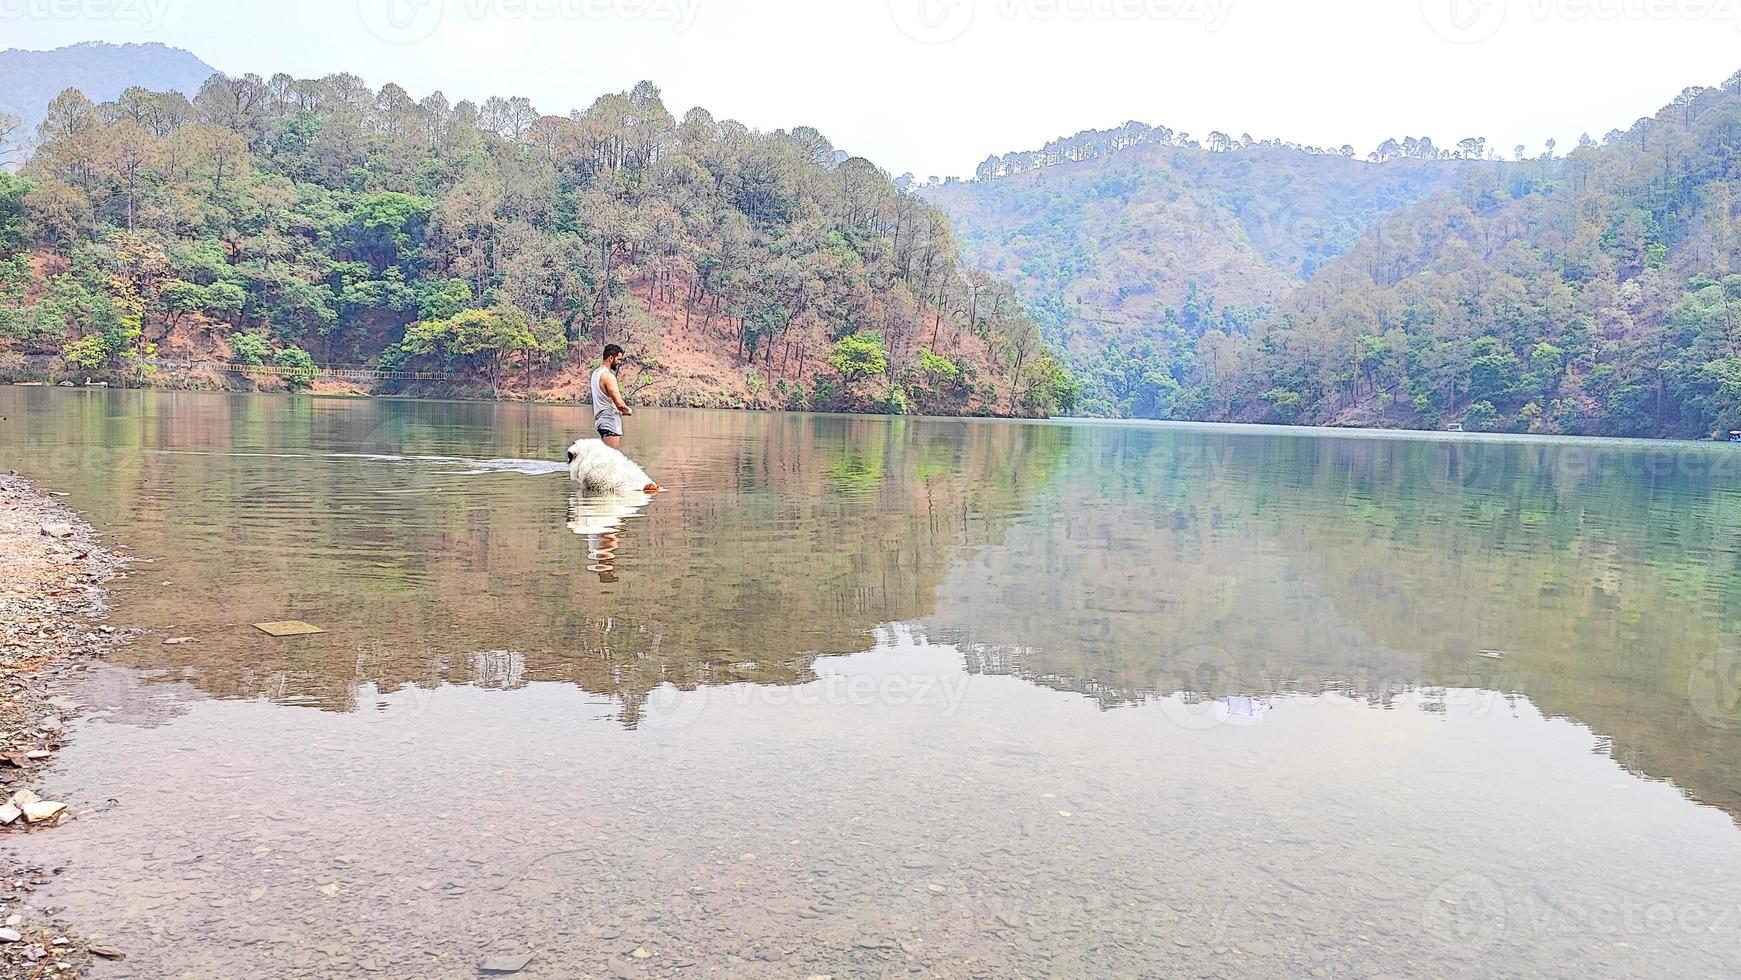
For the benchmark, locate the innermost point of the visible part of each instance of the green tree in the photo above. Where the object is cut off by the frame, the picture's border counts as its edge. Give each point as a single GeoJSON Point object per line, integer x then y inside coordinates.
{"type": "Point", "coordinates": [13, 190]}
{"type": "Point", "coordinates": [858, 356]}
{"type": "Point", "coordinates": [471, 340]}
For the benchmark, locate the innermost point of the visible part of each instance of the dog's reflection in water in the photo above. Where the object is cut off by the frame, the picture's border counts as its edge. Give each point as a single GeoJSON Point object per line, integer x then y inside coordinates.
{"type": "Point", "coordinates": [600, 519]}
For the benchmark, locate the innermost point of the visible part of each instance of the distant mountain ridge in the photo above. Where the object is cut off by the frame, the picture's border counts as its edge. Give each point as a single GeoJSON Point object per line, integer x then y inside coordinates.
{"type": "Point", "coordinates": [1126, 239]}
{"type": "Point", "coordinates": [29, 80]}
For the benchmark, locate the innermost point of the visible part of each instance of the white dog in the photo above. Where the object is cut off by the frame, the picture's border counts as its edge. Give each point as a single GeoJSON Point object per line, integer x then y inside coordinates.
{"type": "Point", "coordinates": [599, 469]}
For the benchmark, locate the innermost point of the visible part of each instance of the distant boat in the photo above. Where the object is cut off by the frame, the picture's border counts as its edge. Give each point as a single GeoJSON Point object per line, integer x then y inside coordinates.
{"type": "Point", "coordinates": [1454, 427]}
{"type": "Point", "coordinates": [1735, 435]}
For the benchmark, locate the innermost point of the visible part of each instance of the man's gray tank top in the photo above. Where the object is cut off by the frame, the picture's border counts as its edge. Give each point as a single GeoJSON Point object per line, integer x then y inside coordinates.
{"type": "Point", "coordinates": [604, 412]}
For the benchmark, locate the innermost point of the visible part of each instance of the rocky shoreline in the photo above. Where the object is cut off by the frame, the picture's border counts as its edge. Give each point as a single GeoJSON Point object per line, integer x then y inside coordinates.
{"type": "Point", "coordinates": [52, 603]}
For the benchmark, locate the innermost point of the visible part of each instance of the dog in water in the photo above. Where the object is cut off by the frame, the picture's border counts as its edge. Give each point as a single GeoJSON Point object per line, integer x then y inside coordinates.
{"type": "Point", "coordinates": [599, 469]}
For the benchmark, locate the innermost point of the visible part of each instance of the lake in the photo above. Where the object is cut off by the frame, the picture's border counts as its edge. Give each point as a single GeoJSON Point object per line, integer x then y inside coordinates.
{"type": "Point", "coordinates": [871, 697]}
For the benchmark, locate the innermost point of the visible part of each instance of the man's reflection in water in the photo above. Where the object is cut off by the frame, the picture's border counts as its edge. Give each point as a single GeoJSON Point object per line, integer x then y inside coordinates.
{"type": "Point", "coordinates": [600, 520]}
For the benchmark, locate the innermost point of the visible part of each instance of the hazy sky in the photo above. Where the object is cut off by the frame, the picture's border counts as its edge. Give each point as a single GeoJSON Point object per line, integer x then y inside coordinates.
{"type": "Point", "coordinates": [934, 86]}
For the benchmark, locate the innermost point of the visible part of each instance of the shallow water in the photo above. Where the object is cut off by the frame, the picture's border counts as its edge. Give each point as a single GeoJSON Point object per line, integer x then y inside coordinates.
{"type": "Point", "coordinates": [870, 697]}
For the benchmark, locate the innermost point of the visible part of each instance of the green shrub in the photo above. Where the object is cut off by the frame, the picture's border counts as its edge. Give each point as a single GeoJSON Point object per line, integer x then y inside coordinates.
{"type": "Point", "coordinates": [88, 352]}
{"type": "Point", "coordinates": [250, 348]}
{"type": "Point", "coordinates": [894, 401]}
{"type": "Point", "coordinates": [1480, 417]}
{"type": "Point", "coordinates": [300, 367]}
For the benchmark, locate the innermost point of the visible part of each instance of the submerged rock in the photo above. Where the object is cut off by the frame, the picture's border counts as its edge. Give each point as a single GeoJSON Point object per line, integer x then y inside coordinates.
{"type": "Point", "coordinates": [507, 963]}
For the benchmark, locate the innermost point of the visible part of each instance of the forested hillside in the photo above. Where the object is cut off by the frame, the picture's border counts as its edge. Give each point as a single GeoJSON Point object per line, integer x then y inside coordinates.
{"type": "Point", "coordinates": [1132, 240]}
{"type": "Point", "coordinates": [1597, 293]}
{"type": "Point", "coordinates": [1594, 292]}
{"type": "Point", "coordinates": [490, 247]}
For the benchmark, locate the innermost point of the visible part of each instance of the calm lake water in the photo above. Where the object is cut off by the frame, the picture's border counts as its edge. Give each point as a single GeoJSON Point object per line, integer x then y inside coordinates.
{"type": "Point", "coordinates": [870, 697]}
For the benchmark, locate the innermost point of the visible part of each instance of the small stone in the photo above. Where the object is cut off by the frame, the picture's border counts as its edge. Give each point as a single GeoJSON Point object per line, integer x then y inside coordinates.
{"type": "Point", "coordinates": [641, 953]}
{"type": "Point", "coordinates": [176, 641]}
{"type": "Point", "coordinates": [38, 754]}
{"type": "Point", "coordinates": [57, 530]}
{"type": "Point", "coordinates": [329, 889]}
{"type": "Point", "coordinates": [1065, 813]}
{"type": "Point", "coordinates": [872, 942]}
{"type": "Point", "coordinates": [106, 952]}
{"type": "Point", "coordinates": [9, 814]}
{"type": "Point", "coordinates": [510, 963]}
{"type": "Point", "coordinates": [22, 797]}
{"type": "Point", "coordinates": [10, 935]}
{"type": "Point", "coordinates": [43, 810]}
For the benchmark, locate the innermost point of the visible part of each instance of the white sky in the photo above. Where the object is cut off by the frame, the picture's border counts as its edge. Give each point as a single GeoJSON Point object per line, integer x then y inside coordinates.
{"type": "Point", "coordinates": [985, 76]}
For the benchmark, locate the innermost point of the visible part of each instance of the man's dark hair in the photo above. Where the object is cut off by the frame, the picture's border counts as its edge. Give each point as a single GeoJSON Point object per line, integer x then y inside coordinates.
{"type": "Point", "coordinates": [612, 350]}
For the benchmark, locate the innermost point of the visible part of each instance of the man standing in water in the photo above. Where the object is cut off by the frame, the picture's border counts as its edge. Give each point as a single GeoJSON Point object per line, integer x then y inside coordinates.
{"type": "Point", "coordinates": [608, 407]}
